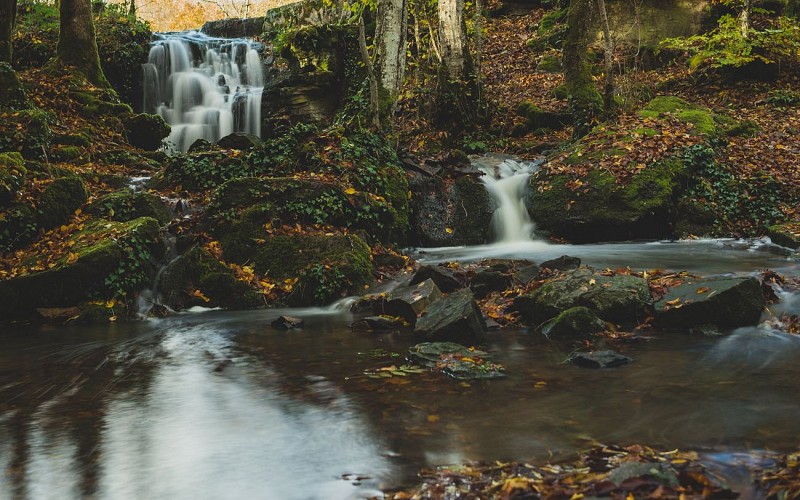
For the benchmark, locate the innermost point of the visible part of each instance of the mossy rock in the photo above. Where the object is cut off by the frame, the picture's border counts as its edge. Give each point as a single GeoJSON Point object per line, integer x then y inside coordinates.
{"type": "Point", "coordinates": [12, 177]}
{"type": "Point", "coordinates": [95, 106]}
{"type": "Point", "coordinates": [18, 227]}
{"type": "Point", "coordinates": [68, 154]}
{"type": "Point", "coordinates": [702, 118]}
{"type": "Point", "coordinates": [786, 234]}
{"type": "Point", "coordinates": [549, 64]}
{"type": "Point", "coordinates": [81, 140]}
{"type": "Point", "coordinates": [199, 270]}
{"type": "Point", "coordinates": [537, 118]}
{"type": "Point", "coordinates": [13, 97]}
{"type": "Point", "coordinates": [607, 211]}
{"type": "Point", "coordinates": [125, 205]}
{"type": "Point", "coordinates": [560, 92]}
{"type": "Point", "coordinates": [61, 198]}
{"type": "Point", "coordinates": [30, 133]}
{"type": "Point", "coordinates": [90, 276]}
{"type": "Point", "coordinates": [202, 170]}
{"type": "Point", "coordinates": [146, 131]}
{"type": "Point", "coordinates": [574, 323]}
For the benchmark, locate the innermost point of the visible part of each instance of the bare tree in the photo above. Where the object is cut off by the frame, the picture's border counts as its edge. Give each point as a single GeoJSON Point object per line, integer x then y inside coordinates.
{"type": "Point", "coordinates": [390, 44]}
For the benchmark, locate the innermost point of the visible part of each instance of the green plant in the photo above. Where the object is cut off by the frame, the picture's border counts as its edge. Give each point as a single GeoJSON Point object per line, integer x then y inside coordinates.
{"type": "Point", "coordinates": [130, 275]}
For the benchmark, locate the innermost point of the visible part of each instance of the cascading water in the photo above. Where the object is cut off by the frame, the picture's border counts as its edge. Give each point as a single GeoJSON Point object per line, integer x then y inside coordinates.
{"type": "Point", "coordinates": [506, 180]}
{"type": "Point", "coordinates": [204, 87]}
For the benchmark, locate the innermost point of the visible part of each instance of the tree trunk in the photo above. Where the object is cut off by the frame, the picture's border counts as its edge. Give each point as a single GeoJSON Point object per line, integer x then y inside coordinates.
{"type": "Point", "coordinates": [390, 43]}
{"type": "Point", "coordinates": [608, 51]}
{"type": "Point", "coordinates": [8, 14]}
{"type": "Point", "coordinates": [453, 39]}
{"type": "Point", "coordinates": [584, 101]}
{"type": "Point", "coordinates": [373, 78]}
{"type": "Point", "coordinates": [744, 19]}
{"type": "Point", "coordinates": [77, 46]}
{"type": "Point", "coordinates": [132, 9]}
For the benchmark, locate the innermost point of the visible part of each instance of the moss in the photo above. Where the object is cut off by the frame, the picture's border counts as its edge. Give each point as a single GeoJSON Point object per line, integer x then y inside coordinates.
{"type": "Point", "coordinates": [29, 133]}
{"type": "Point", "coordinates": [549, 64]}
{"type": "Point", "coordinates": [125, 205]}
{"type": "Point", "coordinates": [745, 128]}
{"type": "Point", "coordinates": [560, 92]}
{"type": "Point", "coordinates": [13, 97]}
{"type": "Point", "coordinates": [702, 118]}
{"type": "Point", "coordinates": [80, 140]}
{"type": "Point", "coordinates": [18, 227]}
{"type": "Point", "coordinates": [146, 131]}
{"type": "Point", "coordinates": [537, 118]}
{"type": "Point", "coordinates": [67, 154]}
{"type": "Point", "coordinates": [12, 176]}
{"type": "Point", "coordinates": [552, 19]}
{"type": "Point", "coordinates": [646, 131]}
{"type": "Point", "coordinates": [665, 104]}
{"type": "Point", "coordinates": [60, 200]}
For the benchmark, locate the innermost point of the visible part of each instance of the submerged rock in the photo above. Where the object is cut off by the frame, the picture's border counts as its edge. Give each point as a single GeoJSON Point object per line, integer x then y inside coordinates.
{"type": "Point", "coordinates": [408, 302]}
{"type": "Point", "coordinates": [455, 360]}
{"type": "Point", "coordinates": [724, 302]}
{"type": "Point", "coordinates": [287, 323]}
{"type": "Point", "coordinates": [372, 323]}
{"type": "Point", "coordinates": [599, 359]}
{"type": "Point", "coordinates": [452, 318]}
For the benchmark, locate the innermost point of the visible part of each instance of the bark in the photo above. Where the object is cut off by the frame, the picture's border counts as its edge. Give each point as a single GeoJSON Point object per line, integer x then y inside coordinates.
{"type": "Point", "coordinates": [584, 101]}
{"type": "Point", "coordinates": [8, 14]}
{"type": "Point", "coordinates": [608, 52]}
{"type": "Point", "coordinates": [453, 39]}
{"type": "Point", "coordinates": [77, 46]}
{"type": "Point", "coordinates": [390, 43]}
{"type": "Point", "coordinates": [373, 78]}
{"type": "Point", "coordinates": [744, 19]}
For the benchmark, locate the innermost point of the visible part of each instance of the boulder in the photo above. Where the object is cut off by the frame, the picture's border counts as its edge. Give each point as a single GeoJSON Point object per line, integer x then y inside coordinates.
{"type": "Point", "coordinates": [250, 27]}
{"type": "Point", "coordinates": [60, 199]}
{"type": "Point", "coordinates": [198, 271]}
{"type": "Point", "coordinates": [146, 131]}
{"type": "Point", "coordinates": [724, 302]}
{"type": "Point", "coordinates": [373, 323]}
{"type": "Point", "coordinates": [455, 360]}
{"type": "Point", "coordinates": [618, 298]}
{"type": "Point", "coordinates": [125, 205]}
{"type": "Point", "coordinates": [526, 274]}
{"type": "Point", "coordinates": [449, 212]}
{"type": "Point", "coordinates": [93, 269]}
{"type": "Point", "coordinates": [444, 277]}
{"type": "Point", "coordinates": [599, 359]}
{"type": "Point", "coordinates": [786, 235]}
{"type": "Point", "coordinates": [454, 318]}
{"type": "Point", "coordinates": [575, 322]}
{"type": "Point", "coordinates": [563, 263]}
{"type": "Point", "coordinates": [12, 176]}
{"type": "Point", "coordinates": [408, 302]}
{"type": "Point", "coordinates": [239, 141]}
{"type": "Point", "coordinates": [13, 97]}
{"type": "Point", "coordinates": [287, 323]}
{"type": "Point", "coordinates": [487, 281]}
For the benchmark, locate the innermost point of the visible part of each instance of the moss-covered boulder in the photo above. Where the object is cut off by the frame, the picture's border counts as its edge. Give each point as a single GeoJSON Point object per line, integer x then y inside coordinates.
{"type": "Point", "coordinates": [786, 234]}
{"type": "Point", "coordinates": [536, 118]}
{"type": "Point", "coordinates": [197, 270]}
{"type": "Point", "coordinates": [603, 210]}
{"type": "Point", "coordinates": [574, 323]}
{"type": "Point", "coordinates": [13, 96]}
{"type": "Point", "coordinates": [701, 118]}
{"type": "Point", "coordinates": [18, 227]}
{"type": "Point", "coordinates": [27, 131]}
{"type": "Point", "coordinates": [723, 302]}
{"type": "Point", "coordinates": [125, 205]}
{"type": "Point", "coordinates": [618, 298]}
{"type": "Point", "coordinates": [60, 200]}
{"type": "Point", "coordinates": [12, 176]}
{"type": "Point", "coordinates": [145, 131]}
{"type": "Point", "coordinates": [202, 170]}
{"type": "Point", "coordinates": [106, 258]}
{"type": "Point", "coordinates": [449, 212]}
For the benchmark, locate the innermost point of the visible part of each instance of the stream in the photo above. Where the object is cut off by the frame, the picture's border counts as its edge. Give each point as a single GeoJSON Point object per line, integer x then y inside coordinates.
{"type": "Point", "coordinates": [217, 404]}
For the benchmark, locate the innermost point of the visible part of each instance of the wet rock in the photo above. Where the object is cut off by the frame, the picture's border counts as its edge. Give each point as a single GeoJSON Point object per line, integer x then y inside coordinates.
{"type": "Point", "coordinates": [408, 302]}
{"type": "Point", "coordinates": [453, 318]}
{"type": "Point", "coordinates": [240, 141]}
{"type": "Point", "coordinates": [661, 472]}
{"type": "Point", "coordinates": [449, 212]}
{"type": "Point", "coordinates": [60, 200]}
{"type": "Point", "coordinates": [13, 97]}
{"type": "Point", "coordinates": [12, 176]}
{"type": "Point", "coordinates": [146, 131]}
{"type": "Point", "coordinates": [575, 322]}
{"type": "Point", "coordinates": [787, 235]}
{"type": "Point", "coordinates": [563, 263]}
{"type": "Point", "coordinates": [619, 298]}
{"type": "Point", "coordinates": [455, 360]}
{"type": "Point", "coordinates": [725, 302]}
{"type": "Point", "coordinates": [599, 359]}
{"type": "Point", "coordinates": [373, 323]}
{"type": "Point", "coordinates": [445, 278]}
{"type": "Point", "coordinates": [125, 205]}
{"type": "Point", "coordinates": [526, 274]}
{"type": "Point", "coordinates": [234, 27]}
{"type": "Point", "coordinates": [488, 281]}
{"type": "Point", "coordinates": [287, 323]}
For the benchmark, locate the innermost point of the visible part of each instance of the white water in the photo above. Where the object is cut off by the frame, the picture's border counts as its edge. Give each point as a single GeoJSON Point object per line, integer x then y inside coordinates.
{"type": "Point", "coordinates": [506, 180]}
{"type": "Point", "coordinates": [204, 87]}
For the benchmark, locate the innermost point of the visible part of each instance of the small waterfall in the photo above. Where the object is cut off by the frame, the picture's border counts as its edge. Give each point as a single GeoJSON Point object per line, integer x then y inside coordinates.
{"type": "Point", "coordinates": [506, 180]}
{"type": "Point", "coordinates": [204, 87]}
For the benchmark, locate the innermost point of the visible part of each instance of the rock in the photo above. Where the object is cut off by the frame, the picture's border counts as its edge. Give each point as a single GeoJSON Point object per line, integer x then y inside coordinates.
{"type": "Point", "coordinates": [250, 27]}
{"type": "Point", "coordinates": [444, 278]}
{"type": "Point", "coordinates": [661, 472]}
{"type": "Point", "coordinates": [786, 235]}
{"type": "Point", "coordinates": [618, 298]}
{"type": "Point", "coordinates": [536, 118]}
{"type": "Point", "coordinates": [447, 212]}
{"type": "Point", "coordinates": [488, 281]}
{"type": "Point", "coordinates": [452, 318]}
{"type": "Point", "coordinates": [240, 141]}
{"type": "Point", "coordinates": [372, 323]}
{"type": "Point", "coordinates": [96, 272]}
{"type": "Point", "coordinates": [701, 118]}
{"type": "Point", "coordinates": [60, 200]}
{"type": "Point", "coordinates": [146, 131]}
{"type": "Point", "coordinates": [12, 176]}
{"type": "Point", "coordinates": [526, 274]}
{"type": "Point", "coordinates": [287, 323]}
{"type": "Point", "coordinates": [198, 271]}
{"type": "Point", "coordinates": [725, 302]}
{"type": "Point", "coordinates": [563, 263]}
{"type": "Point", "coordinates": [599, 359]}
{"type": "Point", "coordinates": [13, 97]}
{"type": "Point", "coordinates": [408, 302]}
{"type": "Point", "coordinates": [455, 360]}
{"type": "Point", "coordinates": [575, 322]}
{"type": "Point", "coordinates": [125, 205]}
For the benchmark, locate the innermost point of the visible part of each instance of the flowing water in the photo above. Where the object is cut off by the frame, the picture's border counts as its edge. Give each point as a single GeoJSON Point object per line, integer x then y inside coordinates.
{"type": "Point", "coordinates": [218, 405]}
{"type": "Point", "coordinates": [204, 87]}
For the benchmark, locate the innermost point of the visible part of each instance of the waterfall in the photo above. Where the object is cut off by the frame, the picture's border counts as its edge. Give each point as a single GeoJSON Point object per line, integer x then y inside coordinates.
{"type": "Point", "coordinates": [506, 180]}
{"type": "Point", "coordinates": [204, 87]}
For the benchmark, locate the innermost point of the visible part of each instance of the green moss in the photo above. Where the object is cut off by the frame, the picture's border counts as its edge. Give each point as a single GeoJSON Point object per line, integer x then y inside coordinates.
{"type": "Point", "coordinates": [146, 131]}
{"type": "Point", "coordinates": [560, 92]}
{"type": "Point", "coordinates": [12, 176]}
{"type": "Point", "coordinates": [125, 205]}
{"type": "Point", "coordinates": [60, 200]}
{"type": "Point", "coordinates": [29, 133]}
{"type": "Point", "coordinates": [702, 118]}
{"type": "Point", "coordinates": [81, 140]}
{"type": "Point", "coordinates": [18, 227]}
{"type": "Point", "coordinates": [746, 128]}
{"type": "Point", "coordinates": [665, 104]}
{"type": "Point", "coordinates": [551, 20]}
{"type": "Point", "coordinates": [68, 154]}
{"type": "Point", "coordinates": [646, 131]}
{"type": "Point", "coordinates": [13, 96]}
{"type": "Point", "coordinates": [537, 118]}
{"type": "Point", "coordinates": [549, 64]}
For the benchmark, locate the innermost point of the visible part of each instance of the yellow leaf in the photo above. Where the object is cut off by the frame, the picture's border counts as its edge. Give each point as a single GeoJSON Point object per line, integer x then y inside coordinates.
{"type": "Point", "coordinates": [350, 190]}
{"type": "Point", "coordinates": [78, 211]}
{"type": "Point", "coordinates": [72, 257]}
{"type": "Point", "coordinates": [448, 230]}
{"type": "Point", "coordinates": [111, 303]}
{"type": "Point", "coordinates": [199, 295]}
{"type": "Point", "coordinates": [592, 281]}
{"type": "Point", "coordinates": [703, 289]}
{"type": "Point", "coordinates": [433, 418]}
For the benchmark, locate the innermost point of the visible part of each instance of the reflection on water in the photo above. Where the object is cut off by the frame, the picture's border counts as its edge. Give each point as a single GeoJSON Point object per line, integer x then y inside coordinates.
{"type": "Point", "coordinates": [219, 405]}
